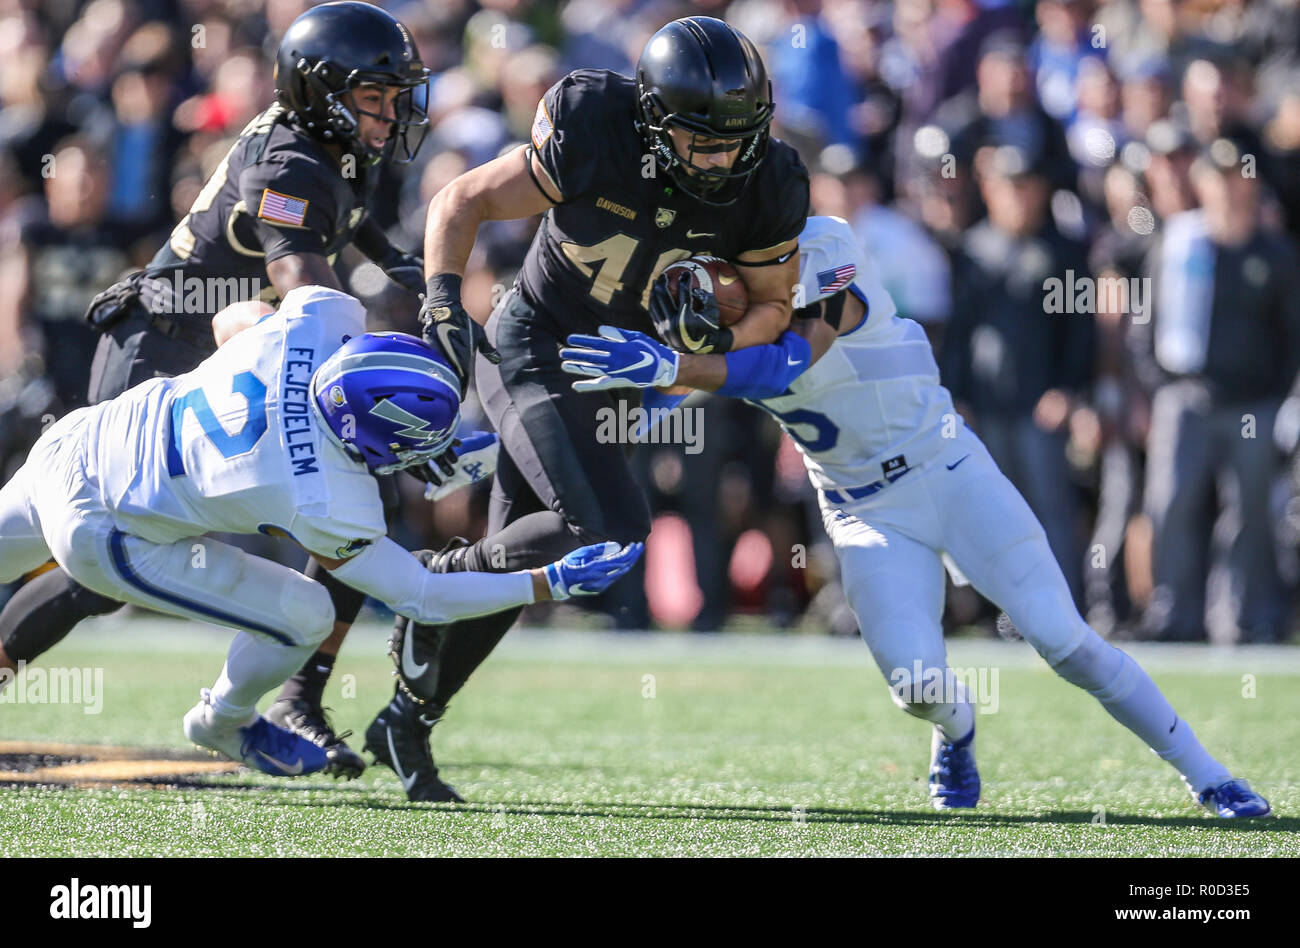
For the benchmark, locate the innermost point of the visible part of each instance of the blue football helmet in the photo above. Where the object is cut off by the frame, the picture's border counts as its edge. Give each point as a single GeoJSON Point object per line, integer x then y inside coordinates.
{"type": "Point", "coordinates": [389, 399]}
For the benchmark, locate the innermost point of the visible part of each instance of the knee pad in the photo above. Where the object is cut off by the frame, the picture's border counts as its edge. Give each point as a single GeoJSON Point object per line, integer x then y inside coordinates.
{"type": "Point", "coordinates": [1100, 669]}
{"type": "Point", "coordinates": [1045, 614]}
{"type": "Point", "coordinates": [308, 610]}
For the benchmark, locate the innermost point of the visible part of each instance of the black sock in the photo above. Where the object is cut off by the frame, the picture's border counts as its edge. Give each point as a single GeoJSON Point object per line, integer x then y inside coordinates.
{"type": "Point", "coordinates": [308, 683]}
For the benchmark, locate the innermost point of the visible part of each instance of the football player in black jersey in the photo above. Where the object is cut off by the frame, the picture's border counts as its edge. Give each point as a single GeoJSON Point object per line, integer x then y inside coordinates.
{"type": "Point", "coordinates": [632, 175]}
{"type": "Point", "coordinates": [288, 196]}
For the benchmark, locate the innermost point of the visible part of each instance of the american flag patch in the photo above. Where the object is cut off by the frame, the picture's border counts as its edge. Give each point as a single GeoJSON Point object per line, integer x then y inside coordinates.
{"type": "Point", "coordinates": [542, 126]}
{"type": "Point", "coordinates": [832, 281]}
{"type": "Point", "coordinates": [281, 208]}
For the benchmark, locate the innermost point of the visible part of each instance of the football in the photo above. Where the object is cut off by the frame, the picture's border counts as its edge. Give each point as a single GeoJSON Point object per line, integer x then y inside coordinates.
{"type": "Point", "coordinates": [712, 275]}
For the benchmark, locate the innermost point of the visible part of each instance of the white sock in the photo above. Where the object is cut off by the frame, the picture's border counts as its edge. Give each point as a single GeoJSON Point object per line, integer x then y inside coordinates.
{"type": "Point", "coordinates": [254, 665]}
{"type": "Point", "coordinates": [1132, 698]}
{"type": "Point", "coordinates": [955, 719]}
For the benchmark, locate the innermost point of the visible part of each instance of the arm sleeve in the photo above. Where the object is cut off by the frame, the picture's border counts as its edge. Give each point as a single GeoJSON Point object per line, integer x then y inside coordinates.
{"type": "Point", "coordinates": [291, 204]}
{"type": "Point", "coordinates": [766, 371]}
{"type": "Point", "coordinates": [564, 135]}
{"type": "Point", "coordinates": [371, 240]}
{"type": "Point", "coordinates": [392, 575]}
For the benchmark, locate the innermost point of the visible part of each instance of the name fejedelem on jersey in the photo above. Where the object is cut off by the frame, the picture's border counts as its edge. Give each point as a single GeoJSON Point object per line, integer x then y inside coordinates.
{"type": "Point", "coordinates": [295, 410]}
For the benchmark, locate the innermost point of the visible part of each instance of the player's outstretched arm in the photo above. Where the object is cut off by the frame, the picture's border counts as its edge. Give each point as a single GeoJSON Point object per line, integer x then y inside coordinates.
{"type": "Point", "coordinates": [502, 189]}
{"type": "Point", "coordinates": [392, 575]}
{"type": "Point", "coordinates": [620, 358]}
{"type": "Point", "coordinates": [499, 190]}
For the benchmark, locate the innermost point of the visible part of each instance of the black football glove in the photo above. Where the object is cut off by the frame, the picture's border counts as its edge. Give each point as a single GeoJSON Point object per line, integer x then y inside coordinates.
{"type": "Point", "coordinates": [451, 330]}
{"type": "Point", "coordinates": [689, 325]}
{"type": "Point", "coordinates": [404, 269]}
{"type": "Point", "coordinates": [443, 466]}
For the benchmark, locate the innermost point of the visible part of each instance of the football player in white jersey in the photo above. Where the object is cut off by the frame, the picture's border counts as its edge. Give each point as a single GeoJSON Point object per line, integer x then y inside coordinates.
{"type": "Point", "coordinates": [280, 432]}
{"type": "Point", "coordinates": [903, 481]}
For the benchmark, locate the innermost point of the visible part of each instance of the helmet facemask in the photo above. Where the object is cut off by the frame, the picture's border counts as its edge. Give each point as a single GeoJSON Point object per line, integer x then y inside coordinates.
{"type": "Point", "coordinates": [716, 187]}
{"type": "Point", "coordinates": [409, 124]}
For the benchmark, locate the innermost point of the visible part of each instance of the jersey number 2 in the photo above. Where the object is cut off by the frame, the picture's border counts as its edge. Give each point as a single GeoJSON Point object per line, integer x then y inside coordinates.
{"type": "Point", "coordinates": [230, 445]}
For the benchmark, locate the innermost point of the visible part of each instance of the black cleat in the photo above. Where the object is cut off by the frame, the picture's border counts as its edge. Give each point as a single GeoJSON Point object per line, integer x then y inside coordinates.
{"type": "Point", "coordinates": [399, 739]}
{"type": "Point", "coordinates": [301, 717]}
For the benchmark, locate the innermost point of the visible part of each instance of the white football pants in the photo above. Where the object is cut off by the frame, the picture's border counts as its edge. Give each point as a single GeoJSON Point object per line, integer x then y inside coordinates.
{"type": "Point", "coordinates": [51, 509]}
{"type": "Point", "coordinates": [959, 502]}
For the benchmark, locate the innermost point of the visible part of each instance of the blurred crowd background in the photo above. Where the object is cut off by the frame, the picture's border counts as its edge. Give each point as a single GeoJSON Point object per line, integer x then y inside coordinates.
{"type": "Point", "coordinates": [980, 149]}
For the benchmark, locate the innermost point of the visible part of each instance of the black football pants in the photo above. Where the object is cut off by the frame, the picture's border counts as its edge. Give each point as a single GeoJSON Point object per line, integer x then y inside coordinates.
{"type": "Point", "coordinates": [562, 482]}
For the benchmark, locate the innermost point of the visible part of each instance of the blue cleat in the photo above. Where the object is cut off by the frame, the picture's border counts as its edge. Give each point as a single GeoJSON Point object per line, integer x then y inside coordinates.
{"type": "Point", "coordinates": [1234, 799]}
{"type": "Point", "coordinates": [256, 743]}
{"type": "Point", "coordinates": [954, 778]}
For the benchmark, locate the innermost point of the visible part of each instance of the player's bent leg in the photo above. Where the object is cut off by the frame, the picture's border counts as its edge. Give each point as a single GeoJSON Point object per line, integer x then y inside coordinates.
{"type": "Point", "coordinates": [22, 541]}
{"type": "Point", "coordinates": [282, 616]}
{"type": "Point", "coordinates": [895, 586]}
{"type": "Point", "coordinates": [997, 543]}
{"type": "Point", "coordinates": [299, 707]}
{"type": "Point", "coordinates": [559, 484]}
{"type": "Point", "coordinates": [45, 608]}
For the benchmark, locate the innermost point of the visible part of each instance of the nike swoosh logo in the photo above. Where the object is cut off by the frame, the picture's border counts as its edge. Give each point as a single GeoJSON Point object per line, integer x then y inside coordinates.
{"type": "Point", "coordinates": [956, 462]}
{"type": "Point", "coordinates": [791, 361]}
{"type": "Point", "coordinates": [407, 782]}
{"type": "Point", "coordinates": [695, 345]}
{"type": "Point", "coordinates": [409, 667]}
{"type": "Point", "coordinates": [646, 359]}
{"type": "Point", "coordinates": [291, 771]}
{"type": "Point", "coordinates": [449, 350]}
{"type": "Point", "coordinates": [691, 235]}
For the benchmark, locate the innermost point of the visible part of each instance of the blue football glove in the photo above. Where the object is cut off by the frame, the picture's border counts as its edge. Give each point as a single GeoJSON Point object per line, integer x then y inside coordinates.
{"type": "Point", "coordinates": [475, 458]}
{"type": "Point", "coordinates": [590, 569]}
{"type": "Point", "coordinates": [619, 358]}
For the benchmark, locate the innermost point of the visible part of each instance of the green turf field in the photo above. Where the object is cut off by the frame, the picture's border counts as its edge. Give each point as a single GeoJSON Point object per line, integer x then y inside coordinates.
{"type": "Point", "coordinates": [597, 744]}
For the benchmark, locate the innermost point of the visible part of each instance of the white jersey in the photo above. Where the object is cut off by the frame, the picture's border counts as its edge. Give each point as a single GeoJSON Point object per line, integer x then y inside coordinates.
{"type": "Point", "coordinates": [875, 394]}
{"type": "Point", "coordinates": [234, 447]}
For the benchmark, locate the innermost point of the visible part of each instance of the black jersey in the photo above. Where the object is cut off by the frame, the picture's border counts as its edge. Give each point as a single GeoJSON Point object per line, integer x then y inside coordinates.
{"type": "Point", "coordinates": [276, 192]}
{"type": "Point", "coordinates": [622, 220]}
